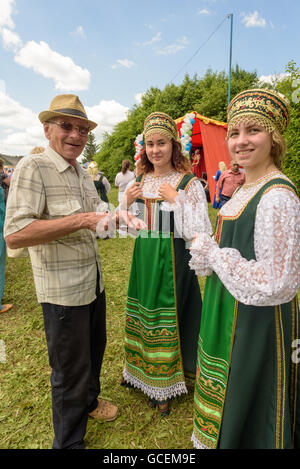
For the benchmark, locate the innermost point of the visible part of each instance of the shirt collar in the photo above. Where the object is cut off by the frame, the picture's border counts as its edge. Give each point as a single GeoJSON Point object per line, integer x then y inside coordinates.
{"type": "Point", "coordinates": [60, 162]}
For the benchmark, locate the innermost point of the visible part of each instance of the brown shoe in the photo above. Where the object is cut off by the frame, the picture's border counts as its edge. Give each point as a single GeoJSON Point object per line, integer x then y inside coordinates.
{"type": "Point", "coordinates": [105, 411]}
{"type": "Point", "coordinates": [5, 308]}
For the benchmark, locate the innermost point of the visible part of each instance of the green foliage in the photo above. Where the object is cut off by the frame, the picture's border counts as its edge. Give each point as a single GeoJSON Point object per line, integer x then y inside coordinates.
{"type": "Point", "coordinates": [90, 149]}
{"type": "Point", "coordinates": [207, 96]}
{"type": "Point", "coordinates": [290, 86]}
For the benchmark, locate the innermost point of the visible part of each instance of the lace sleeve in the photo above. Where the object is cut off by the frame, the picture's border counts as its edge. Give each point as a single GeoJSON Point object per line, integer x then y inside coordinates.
{"type": "Point", "coordinates": [274, 277]}
{"type": "Point", "coordinates": [190, 212]}
{"type": "Point", "coordinates": [134, 209]}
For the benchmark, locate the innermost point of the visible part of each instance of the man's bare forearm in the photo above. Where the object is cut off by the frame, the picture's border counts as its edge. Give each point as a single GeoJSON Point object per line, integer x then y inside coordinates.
{"type": "Point", "coordinates": [45, 231]}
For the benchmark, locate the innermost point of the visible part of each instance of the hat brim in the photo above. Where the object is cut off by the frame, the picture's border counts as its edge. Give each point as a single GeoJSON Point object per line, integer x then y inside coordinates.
{"type": "Point", "coordinates": [46, 115]}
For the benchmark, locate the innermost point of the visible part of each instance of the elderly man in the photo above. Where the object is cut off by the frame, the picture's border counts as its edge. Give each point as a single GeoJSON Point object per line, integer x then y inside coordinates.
{"type": "Point", "coordinates": [52, 209]}
{"type": "Point", "coordinates": [228, 183]}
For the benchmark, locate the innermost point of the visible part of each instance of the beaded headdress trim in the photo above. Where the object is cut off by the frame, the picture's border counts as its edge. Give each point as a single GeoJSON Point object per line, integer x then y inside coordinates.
{"type": "Point", "coordinates": [159, 122]}
{"type": "Point", "coordinates": [265, 107]}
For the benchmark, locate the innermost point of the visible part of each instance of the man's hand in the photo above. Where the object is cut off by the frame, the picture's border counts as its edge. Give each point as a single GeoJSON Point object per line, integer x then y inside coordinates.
{"type": "Point", "coordinates": [92, 220]}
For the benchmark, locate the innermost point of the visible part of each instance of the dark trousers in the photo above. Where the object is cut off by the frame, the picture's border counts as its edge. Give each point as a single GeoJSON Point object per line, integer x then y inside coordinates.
{"type": "Point", "coordinates": [76, 340]}
{"type": "Point", "coordinates": [223, 200]}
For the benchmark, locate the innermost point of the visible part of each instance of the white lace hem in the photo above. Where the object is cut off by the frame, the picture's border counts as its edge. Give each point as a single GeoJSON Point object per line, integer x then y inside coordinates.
{"type": "Point", "coordinates": [197, 444]}
{"type": "Point", "coordinates": [160, 394]}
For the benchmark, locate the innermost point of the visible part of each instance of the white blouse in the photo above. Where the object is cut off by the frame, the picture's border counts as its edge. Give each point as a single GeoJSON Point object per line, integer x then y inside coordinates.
{"type": "Point", "coordinates": [274, 277]}
{"type": "Point", "coordinates": [190, 207]}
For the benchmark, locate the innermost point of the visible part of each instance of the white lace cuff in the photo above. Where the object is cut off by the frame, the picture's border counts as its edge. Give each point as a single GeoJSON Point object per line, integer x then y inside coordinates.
{"type": "Point", "coordinates": [176, 205]}
{"type": "Point", "coordinates": [202, 250]}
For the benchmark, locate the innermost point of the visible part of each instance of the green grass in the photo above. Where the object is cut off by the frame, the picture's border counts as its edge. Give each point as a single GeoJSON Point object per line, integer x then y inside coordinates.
{"type": "Point", "coordinates": [25, 395]}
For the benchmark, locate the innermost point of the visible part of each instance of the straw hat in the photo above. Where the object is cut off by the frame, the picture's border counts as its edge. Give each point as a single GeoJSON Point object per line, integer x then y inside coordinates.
{"type": "Point", "coordinates": [66, 105]}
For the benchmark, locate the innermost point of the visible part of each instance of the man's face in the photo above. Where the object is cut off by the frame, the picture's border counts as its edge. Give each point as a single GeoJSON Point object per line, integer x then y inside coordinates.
{"type": "Point", "coordinates": [234, 167]}
{"type": "Point", "coordinates": [68, 144]}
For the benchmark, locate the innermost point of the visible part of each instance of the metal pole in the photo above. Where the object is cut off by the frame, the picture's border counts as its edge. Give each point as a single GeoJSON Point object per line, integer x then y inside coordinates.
{"type": "Point", "coordinates": [230, 56]}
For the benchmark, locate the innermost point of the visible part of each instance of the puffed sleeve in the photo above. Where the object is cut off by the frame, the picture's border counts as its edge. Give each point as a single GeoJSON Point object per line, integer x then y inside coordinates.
{"type": "Point", "coordinates": [274, 277]}
{"type": "Point", "coordinates": [190, 212]}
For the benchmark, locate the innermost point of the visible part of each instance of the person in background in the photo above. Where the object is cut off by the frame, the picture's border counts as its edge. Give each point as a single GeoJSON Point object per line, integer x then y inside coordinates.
{"type": "Point", "coordinates": [100, 181]}
{"type": "Point", "coordinates": [4, 180]}
{"type": "Point", "coordinates": [123, 178]}
{"type": "Point", "coordinates": [222, 168]}
{"type": "Point", "coordinates": [205, 186]}
{"type": "Point", "coordinates": [247, 394]}
{"type": "Point", "coordinates": [195, 161]}
{"type": "Point", "coordinates": [37, 150]}
{"type": "Point", "coordinates": [162, 315]}
{"type": "Point", "coordinates": [6, 307]}
{"type": "Point", "coordinates": [228, 182]}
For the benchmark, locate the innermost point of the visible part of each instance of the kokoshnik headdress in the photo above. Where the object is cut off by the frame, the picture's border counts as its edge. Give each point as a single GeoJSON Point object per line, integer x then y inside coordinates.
{"type": "Point", "coordinates": [159, 122]}
{"type": "Point", "coordinates": [267, 108]}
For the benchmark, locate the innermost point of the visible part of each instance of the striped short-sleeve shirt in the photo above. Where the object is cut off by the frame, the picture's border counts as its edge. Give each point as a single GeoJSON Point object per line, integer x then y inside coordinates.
{"type": "Point", "coordinates": [47, 187]}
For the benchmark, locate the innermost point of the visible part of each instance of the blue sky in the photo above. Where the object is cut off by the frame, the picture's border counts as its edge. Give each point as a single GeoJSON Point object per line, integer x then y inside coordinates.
{"type": "Point", "coordinates": [110, 52]}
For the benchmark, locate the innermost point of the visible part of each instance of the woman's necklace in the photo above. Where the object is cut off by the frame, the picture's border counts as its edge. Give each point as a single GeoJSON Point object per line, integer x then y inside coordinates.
{"type": "Point", "coordinates": [262, 178]}
{"type": "Point", "coordinates": [163, 174]}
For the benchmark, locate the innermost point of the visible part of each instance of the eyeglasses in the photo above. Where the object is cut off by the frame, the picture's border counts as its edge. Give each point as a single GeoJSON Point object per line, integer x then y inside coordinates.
{"type": "Point", "coordinates": [68, 127]}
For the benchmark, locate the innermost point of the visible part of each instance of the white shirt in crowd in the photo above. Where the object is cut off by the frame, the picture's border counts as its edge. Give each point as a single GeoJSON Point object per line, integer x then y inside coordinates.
{"type": "Point", "coordinates": [121, 182]}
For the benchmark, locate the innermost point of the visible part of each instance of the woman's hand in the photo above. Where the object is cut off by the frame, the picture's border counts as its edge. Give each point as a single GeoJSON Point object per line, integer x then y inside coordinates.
{"type": "Point", "coordinates": [132, 193]}
{"type": "Point", "coordinates": [132, 222]}
{"type": "Point", "coordinates": [167, 192]}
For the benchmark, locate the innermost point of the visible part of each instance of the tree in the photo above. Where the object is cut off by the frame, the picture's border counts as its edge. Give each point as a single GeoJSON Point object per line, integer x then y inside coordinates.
{"type": "Point", "coordinates": [290, 86]}
{"type": "Point", "coordinates": [207, 95]}
{"type": "Point", "coordinates": [91, 148]}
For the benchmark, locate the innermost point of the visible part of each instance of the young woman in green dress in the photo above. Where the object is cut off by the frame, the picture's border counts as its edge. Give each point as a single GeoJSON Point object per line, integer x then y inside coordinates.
{"type": "Point", "coordinates": [247, 386]}
{"type": "Point", "coordinates": [163, 314]}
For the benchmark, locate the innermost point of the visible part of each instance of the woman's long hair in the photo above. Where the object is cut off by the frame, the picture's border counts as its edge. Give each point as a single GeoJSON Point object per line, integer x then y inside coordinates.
{"type": "Point", "coordinates": [125, 166]}
{"type": "Point", "coordinates": [278, 148]}
{"type": "Point", "coordinates": [179, 162]}
{"type": "Point", "coordinates": [222, 166]}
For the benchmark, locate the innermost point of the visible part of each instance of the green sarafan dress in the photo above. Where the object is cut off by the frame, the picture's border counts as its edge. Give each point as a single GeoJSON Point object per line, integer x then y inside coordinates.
{"type": "Point", "coordinates": [164, 303]}
{"type": "Point", "coordinates": [248, 382]}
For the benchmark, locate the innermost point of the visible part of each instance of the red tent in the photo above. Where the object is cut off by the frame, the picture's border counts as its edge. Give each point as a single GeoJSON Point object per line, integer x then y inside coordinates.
{"type": "Point", "coordinates": [209, 135]}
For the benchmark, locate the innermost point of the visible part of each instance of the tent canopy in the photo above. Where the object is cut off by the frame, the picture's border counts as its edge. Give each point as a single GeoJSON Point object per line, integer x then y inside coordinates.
{"type": "Point", "coordinates": [211, 135]}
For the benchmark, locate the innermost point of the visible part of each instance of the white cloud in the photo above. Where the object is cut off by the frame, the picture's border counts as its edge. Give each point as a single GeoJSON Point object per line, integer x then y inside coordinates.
{"type": "Point", "coordinates": [11, 40]}
{"type": "Point", "coordinates": [14, 115]}
{"type": "Point", "coordinates": [153, 40]}
{"type": "Point", "coordinates": [2, 86]}
{"type": "Point", "coordinates": [123, 63]}
{"type": "Point", "coordinates": [180, 44]}
{"type": "Point", "coordinates": [107, 114]}
{"type": "Point", "coordinates": [271, 79]}
{"type": "Point", "coordinates": [204, 11]}
{"type": "Point", "coordinates": [22, 130]}
{"type": "Point", "coordinates": [42, 59]}
{"type": "Point", "coordinates": [6, 10]}
{"type": "Point", "coordinates": [138, 97]}
{"type": "Point", "coordinates": [253, 20]}
{"type": "Point", "coordinates": [79, 32]}
{"type": "Point", "coordinates": [20, 126]}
